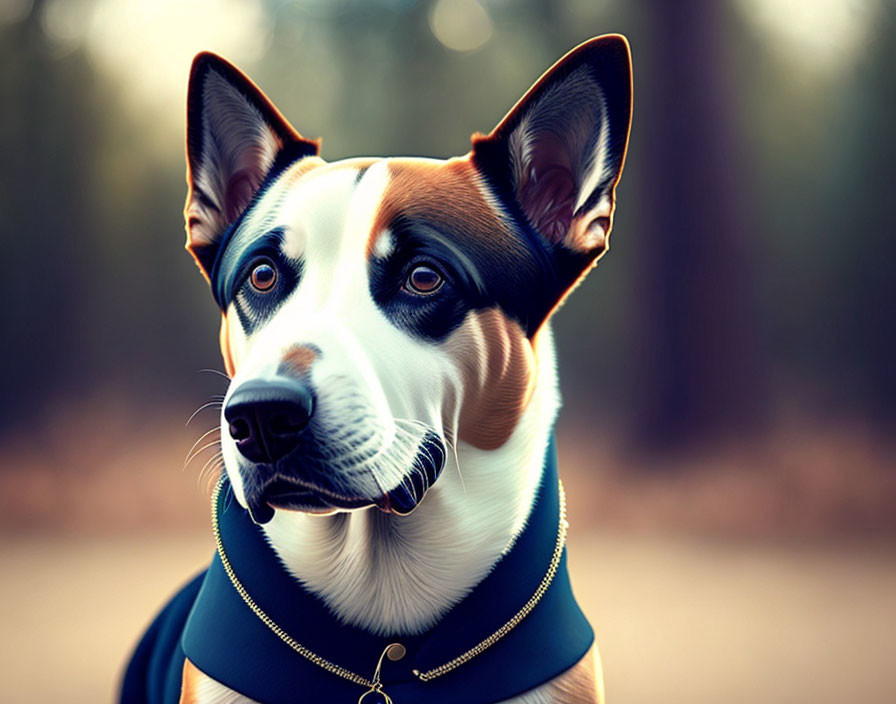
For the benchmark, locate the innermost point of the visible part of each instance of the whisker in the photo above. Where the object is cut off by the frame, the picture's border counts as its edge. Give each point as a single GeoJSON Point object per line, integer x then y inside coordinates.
{"type": "Point", "coordinates": [357, 445]}
{"type": "Point", "coordinates": [457, 464]}
{"type": "Point", "coordinates": [213, 371]}
{"type": "Point", "coordinates": [376, 479]}
{"type": "Point", "coordinates": [201, 438]}
{"type": "Point", "coordinates": [210, 404]}
{"type": "Point", "coordinates": [213, 474]}
{"type": "Point", "coordinates": [217, 455]}
{"type": "Point", "coordinates": [213, 463]}
{"type": "Point", "coordinates": [200, 451]}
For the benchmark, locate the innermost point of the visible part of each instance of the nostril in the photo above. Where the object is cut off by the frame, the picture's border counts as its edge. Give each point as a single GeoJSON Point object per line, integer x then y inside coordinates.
{"type": "Point", "coordinates": [287, 423]}
{"type": "Point", "coordinates": [239, 429]}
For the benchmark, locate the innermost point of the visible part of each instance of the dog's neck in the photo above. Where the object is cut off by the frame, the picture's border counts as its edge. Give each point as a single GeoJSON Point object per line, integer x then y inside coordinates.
{"type": "Point", "coordinates": [397, 575]}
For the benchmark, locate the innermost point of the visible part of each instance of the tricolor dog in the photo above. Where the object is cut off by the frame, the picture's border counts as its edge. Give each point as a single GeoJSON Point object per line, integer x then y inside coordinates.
{"type": "Point", "coordinates": [390, 526]}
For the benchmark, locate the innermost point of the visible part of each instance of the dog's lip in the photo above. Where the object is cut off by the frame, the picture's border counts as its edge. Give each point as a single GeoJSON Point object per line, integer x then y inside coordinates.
{"type": "Point", "coordinates": [304, 503]}
{"type": "Point", "coordinates": [384, 504]}
{"type": "Point", "coordinates": [295, 496]}
{"type": "Point", "coordinates": [288, 495]}
{"type": "Point", "coordinates": [280, 489]}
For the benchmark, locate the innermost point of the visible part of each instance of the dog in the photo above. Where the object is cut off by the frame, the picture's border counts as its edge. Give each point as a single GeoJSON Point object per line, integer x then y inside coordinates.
{"type": "Point", "coordinates": [389, 501]}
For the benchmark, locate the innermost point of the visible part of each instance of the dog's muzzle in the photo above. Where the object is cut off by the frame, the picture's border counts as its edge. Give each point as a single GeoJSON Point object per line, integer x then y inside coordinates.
{"type": "Point", "coordinates": [293, 462]}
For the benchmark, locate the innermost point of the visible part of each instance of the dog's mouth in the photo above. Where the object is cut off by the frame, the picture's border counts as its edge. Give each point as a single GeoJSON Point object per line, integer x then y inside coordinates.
{"type": "Point", "coordinates": [268, 488]}
{"type": "Point", "coordinates": [263, 497]}
{"type": "Point", "coordinates": [290, 495]}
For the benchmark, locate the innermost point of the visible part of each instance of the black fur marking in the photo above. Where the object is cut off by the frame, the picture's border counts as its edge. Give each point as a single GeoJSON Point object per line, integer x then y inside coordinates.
{"type": "Point", "coordinates": [205, 200]}
{"type": "Point", "coordinates": [232, 270]}
{"type": "Point", "coordinates": [427, 466]}
{"type": "Point", "coordinates": [205, 255]}
{"type": "Point", "coordinates": [474, 279]}
{"type": "Point", "coordinates": [221, 247]}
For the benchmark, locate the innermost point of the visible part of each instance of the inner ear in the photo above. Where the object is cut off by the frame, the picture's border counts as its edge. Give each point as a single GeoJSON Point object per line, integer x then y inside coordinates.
{"type": "Point", "coordinates": [546, 186]}
{"type": "Point", "coordinates": [557, 155]}
{"type": "Point", "coordinates": [241, 186]}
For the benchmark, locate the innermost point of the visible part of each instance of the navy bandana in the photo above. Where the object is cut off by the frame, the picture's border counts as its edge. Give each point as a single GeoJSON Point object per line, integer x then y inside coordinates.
{"type": "Point", "coordinates": [228, 642]}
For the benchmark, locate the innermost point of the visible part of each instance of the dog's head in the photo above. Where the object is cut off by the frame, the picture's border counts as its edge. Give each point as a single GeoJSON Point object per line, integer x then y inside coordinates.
{"type": "Point", "coordinates": [377, 311]}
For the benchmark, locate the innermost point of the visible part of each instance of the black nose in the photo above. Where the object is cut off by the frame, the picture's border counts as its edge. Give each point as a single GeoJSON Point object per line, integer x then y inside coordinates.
{"type": "Point", "coordinates": [266, 417]}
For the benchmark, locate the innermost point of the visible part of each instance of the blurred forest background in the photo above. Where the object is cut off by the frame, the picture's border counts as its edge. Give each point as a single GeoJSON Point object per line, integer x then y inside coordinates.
{"type": "Point", "coordinates": [728, 371]}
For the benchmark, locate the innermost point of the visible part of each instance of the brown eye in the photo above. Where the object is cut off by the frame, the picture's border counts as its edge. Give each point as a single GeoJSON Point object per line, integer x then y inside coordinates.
{"type": "Point", "coordinates": [424, 279]}
{"type": "Point", "coordinates": [263, 277]}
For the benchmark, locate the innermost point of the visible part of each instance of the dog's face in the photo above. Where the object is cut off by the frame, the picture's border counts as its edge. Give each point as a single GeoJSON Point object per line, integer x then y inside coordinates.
{"type": "Point", "coordinates": [377, 311]}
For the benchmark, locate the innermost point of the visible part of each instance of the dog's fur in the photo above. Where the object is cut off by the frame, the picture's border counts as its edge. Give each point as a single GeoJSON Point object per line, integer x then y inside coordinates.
{"type": "Point", "coordinates": [510, 229]}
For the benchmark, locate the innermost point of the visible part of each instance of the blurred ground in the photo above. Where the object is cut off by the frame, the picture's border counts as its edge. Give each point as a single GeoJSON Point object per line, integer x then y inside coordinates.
{"type": "Point", "coordinates": [763, 570]}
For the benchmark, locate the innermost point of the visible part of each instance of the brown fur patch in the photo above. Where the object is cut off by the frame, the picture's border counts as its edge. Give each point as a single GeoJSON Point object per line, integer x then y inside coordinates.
{"type": "Point", "coordinates": [300, 168]}
{"type": "Point", "coordinates": [189, 683]}
{"type": "Point", "coordinates": [581, 684]}
{"type": "Point", "coordinates": [226, 353]}
{"type": "Point", "coordinates": [498, 367]}
{"type": "Point", "coordinates": [445, 194]}
{"type": "Point", "coordinates": [590, 232]}
{"type": "Point", "coordinates": [298, 359]}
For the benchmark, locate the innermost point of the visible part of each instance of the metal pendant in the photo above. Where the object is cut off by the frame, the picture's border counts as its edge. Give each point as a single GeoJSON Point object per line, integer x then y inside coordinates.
{"type": "Point", "coordinates": [375, 695]}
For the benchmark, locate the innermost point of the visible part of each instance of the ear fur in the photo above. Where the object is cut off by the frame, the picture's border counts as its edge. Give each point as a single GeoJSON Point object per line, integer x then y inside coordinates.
{"type": "Point", "coordinates": [556, 157]}
{"type": "Point", "coordinates": [235, 139]}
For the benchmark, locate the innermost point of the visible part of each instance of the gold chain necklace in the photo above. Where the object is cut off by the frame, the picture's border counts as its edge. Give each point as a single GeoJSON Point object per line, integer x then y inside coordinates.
{"type": "Point", "coordinates": [394, 651]}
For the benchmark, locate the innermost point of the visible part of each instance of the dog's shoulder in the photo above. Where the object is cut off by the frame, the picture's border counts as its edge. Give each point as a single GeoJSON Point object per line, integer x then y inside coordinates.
{"type": "Point", "coordinates": [199, 688]}
{"type": "Point", "coordinates": [581, 684]}
{"type": "Point", "coordinates": [155, 667]}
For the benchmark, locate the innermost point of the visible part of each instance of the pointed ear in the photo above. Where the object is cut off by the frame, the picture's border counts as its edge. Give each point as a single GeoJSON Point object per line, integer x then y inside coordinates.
{"type": "Point", "coordinates": [556, 158]}
{"type": "Point", "coordinates": [235, 139]}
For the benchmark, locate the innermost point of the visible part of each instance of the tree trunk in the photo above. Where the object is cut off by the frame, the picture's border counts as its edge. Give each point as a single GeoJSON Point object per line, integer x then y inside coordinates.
{"type": "Point", "coordinates": [700, 373]}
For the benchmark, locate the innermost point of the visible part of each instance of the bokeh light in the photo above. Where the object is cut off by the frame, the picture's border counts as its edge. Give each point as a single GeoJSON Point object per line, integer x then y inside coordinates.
{"type": "Point", "coordinates": [12, 11]}
{"type": "Point", "coordinates": [147, 45]}
{"type": "Point", "coordinates": [461, 25]}
{"type": "Point", "coordinates": [819, 35]}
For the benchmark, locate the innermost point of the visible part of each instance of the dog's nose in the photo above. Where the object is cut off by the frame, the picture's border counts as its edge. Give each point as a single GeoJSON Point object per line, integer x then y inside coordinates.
{"type": "Point", "coordinates": [266, 417]}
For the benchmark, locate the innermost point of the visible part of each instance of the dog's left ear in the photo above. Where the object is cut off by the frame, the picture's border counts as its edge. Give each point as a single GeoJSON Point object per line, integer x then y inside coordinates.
{"type": "Point", "coordinates": [235, 138]}
{"type": "Point", "coordinates": [556, 158]}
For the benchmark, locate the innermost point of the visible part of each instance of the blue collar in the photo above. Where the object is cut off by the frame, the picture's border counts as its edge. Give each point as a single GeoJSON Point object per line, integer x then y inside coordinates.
{"type": "Point", "coordinates": [228, 642]}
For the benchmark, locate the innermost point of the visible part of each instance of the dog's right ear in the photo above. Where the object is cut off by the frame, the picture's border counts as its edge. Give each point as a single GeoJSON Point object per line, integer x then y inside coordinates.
{"type": "Point", "coordinates": [235, 138]}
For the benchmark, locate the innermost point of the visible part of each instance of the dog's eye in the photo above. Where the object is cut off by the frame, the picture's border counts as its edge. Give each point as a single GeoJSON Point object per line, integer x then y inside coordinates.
{"type": "Point", "coordinates": [424, 279]}
{"type": "Point", "coordinates": [263, 276]}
